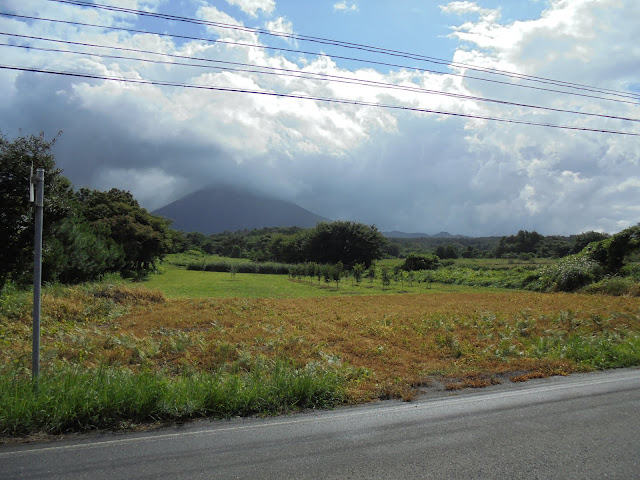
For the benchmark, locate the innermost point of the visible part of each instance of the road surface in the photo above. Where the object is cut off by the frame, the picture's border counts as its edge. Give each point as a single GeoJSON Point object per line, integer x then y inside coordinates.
{"type": "Point", "coordinates": [582, 426]}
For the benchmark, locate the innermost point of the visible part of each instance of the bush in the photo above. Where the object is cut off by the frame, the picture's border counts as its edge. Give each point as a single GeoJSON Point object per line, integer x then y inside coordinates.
{"type": "Point", "coordinates": [616, 286]}
{"type": "Point", "coordinates": [269, 268]}
{"type": "Point", "coordinates": [571, 273]}
{"type": "Point", "coordinates": [416, 262]}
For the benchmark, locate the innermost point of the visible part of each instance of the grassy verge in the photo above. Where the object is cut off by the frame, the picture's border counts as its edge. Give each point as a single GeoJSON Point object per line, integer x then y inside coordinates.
{"type": "Point", "coordinates": [73, 399]}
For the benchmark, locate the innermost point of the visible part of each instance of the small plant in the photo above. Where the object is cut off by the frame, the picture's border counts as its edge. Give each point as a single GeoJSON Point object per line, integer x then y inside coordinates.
{"type": "Point", "coordinates": [358, 270]}
{"type": "Point", "coordinates": [385, 277]}
{"type": "Point", "coordinates": [233, 269]}
{"type": "Point", "coordinates": [371, 274]}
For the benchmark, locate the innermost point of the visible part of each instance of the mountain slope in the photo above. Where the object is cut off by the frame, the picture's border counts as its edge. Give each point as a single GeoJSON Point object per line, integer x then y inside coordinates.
{"type": "Point", "coordinates": [219, 208]}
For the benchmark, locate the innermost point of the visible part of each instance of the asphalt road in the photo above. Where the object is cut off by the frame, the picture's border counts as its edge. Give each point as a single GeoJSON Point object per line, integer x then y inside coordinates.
{"type": "Point", "coordinates": [578, 427]}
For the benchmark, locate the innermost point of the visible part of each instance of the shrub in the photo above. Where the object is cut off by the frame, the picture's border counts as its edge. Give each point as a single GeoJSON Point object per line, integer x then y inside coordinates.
{"type": "Point", "coordinates": [571, 273]}
{"type": "Point", "coordinates": [616, 286]}
{"type": "Point", "coordinates": [269, 268]}
{"type": "Point", "coordinates": [415, 262]}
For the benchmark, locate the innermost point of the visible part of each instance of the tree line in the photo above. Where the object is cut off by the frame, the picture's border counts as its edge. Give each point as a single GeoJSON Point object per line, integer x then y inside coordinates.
{"type": "Point", "coordinates": [88, 233]}
{"type": "Point", "coordinates": [326, 243]}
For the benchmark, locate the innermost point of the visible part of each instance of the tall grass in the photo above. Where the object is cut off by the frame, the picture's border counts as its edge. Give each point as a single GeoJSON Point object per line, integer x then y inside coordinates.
{"type": "Point", "coordinates": [74, 399]}
{"type": "Point", "coordinates": [606, 350]}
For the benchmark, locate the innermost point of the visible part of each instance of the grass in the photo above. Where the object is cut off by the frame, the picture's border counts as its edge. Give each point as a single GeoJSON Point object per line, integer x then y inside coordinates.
{"type": "Point", "coordinates": [71, 398]}
{"type": "Point", "coordinates": [175, 282]}
{"type": "Point", "coordinates": [161, 351]}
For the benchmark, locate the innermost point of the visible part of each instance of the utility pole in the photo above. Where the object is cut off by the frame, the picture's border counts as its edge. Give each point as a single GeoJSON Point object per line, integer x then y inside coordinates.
{"type": "Point", "coordinates": [37, 272]}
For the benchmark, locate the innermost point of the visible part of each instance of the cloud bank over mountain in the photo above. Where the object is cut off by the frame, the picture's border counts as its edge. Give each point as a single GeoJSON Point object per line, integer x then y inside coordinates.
{"type": "Point", "coordinates": [402, 170]}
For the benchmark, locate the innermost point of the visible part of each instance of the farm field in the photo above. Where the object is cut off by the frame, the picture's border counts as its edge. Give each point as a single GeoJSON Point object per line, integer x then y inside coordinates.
{"type": "Point", "coordinates": [389, 344]}
{"type": "Point", "coordinates": [363, 342]}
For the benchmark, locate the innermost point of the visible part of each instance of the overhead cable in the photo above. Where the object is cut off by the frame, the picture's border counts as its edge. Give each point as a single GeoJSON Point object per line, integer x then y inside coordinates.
{"type": "Point", "coordinates": [281, 72]}
{"type": "Point", "coordinates": [372, 62]}
{"type": "Point", "coordinates": [314, 98]}
{"type": "Point", "coordinates": [357, 46]}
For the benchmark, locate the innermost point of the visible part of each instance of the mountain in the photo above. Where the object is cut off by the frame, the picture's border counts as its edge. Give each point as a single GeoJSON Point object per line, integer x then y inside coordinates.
{"type": "Point", "coordinates": [447, 235]}
{"type": "Point", "coordinates": [219, 208]}
{"type": "Point", "coordinates": [396, 234]}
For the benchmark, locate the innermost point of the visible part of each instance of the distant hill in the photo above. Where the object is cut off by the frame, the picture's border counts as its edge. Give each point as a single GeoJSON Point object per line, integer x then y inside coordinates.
{"type": "Point", "coordinates": [396, 234]}
{"type": "Point", "coordinates": [219, 208]}
{"type": "Point", "coordinates": [448, 235]}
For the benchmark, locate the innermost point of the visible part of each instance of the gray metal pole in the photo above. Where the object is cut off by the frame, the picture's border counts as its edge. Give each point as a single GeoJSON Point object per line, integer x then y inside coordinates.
{"type": "Point", "coordinates": [37, 272]}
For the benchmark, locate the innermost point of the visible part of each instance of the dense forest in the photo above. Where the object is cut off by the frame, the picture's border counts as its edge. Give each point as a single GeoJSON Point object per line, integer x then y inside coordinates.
{"type": "Point", "coordinates": [283, 244]}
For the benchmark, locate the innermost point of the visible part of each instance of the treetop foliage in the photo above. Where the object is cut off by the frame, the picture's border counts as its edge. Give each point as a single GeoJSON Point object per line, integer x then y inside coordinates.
{"type": "Point", "coordinates": [86, 234]}
{"type": "Point", "coordinates": [611, 252]}
{"type": "Point", "coordinates": [343, 241]}
{"type": "Point", "coordinates": [415, 262]}
{"type": "Point", "coordinates": [16, 216]}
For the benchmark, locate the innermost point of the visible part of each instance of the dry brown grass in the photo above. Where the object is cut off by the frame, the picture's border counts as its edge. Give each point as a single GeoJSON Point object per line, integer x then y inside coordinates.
{"type": "Point", "coordinates": [388, 345]}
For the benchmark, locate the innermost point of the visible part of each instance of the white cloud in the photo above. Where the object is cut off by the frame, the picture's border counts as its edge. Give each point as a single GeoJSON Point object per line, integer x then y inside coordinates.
{"type": "Point", "coordinates": [280, 25]}
{"type": "Point", "coordinates": [461, 8]}
{"type": "Point", "coordinates": [251, 7]}
{"type": "Point", "coordinates": [343, 6]}
{"type": "Point", "coordinates": [399, 170]}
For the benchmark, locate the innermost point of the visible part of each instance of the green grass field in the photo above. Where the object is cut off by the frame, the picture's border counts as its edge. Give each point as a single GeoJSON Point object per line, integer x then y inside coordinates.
{"type": "Point", "coordinates": [176, 282]}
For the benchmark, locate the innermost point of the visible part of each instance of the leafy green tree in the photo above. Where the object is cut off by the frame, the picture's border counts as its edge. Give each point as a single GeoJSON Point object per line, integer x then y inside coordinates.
{"type": "Point", "coordinates": [346, 242]}
{"type": "Point", "coordinates": [582, 240]}
{"type": "Point", "coordinates": [336, 273]}
{"type": "Point", "coordinates": [327, 273]}
{"type": "Point", "coordinates": [446, 252]}
{"type": "Point", "coordinates": [16, 213]}
{"type": "Point", "coordinates": [397, 275]}
{"type": "Point", "coordinates": [358, 270]}
{"type": "Point", "coordinates": [144, 238]}
{"type": "Point", "coordinates": [75, 253]}
{"type": "Point", "coordinates": [371, 273]}
{"type": "Point", "coordinates": [415, 262]}
{"type": "Point", "coordinates": [385, 277]}
{"type": "Point", "coordinates": [470, 252]}
{"type": "Point", "coordinates": [522, 242]}
{"type": "Point", "coordinates": [611, 252]}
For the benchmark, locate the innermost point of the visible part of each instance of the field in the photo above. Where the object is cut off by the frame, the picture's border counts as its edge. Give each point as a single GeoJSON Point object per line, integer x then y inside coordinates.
{"type": "Point", "coordinates": [356, 342]}
{"type": "Point", "coordinates": [175, 282]}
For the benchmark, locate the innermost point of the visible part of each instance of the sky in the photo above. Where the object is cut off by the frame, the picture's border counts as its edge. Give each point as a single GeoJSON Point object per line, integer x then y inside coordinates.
{"type": "Point", "coordinates": [404, 168]}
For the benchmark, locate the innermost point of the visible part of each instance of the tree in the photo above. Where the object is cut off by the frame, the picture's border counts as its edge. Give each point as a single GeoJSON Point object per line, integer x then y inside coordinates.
{"type": "Point", "coordinates": [385, 276]}
{"type": "Point", "coordinates": [415, 262]}
{"type": "Point", "coordinates": [144, 237]}
{"type": "Point", "coordinates": [358, 270]}
{"type": "Point", "coordinates": [371, 273]}
{"type": "Point", "coordinates": [16, 217]}
{"type": "Point", "coordinates": [337, 271]}
{"type": "Point", "coordinates": [582, 240]}
{"type": "Point", "coordinates": [446, 252]}
{"type": "Point", "coordinates": [522, 242]}
{"type": "Point", "coordinates": [611, 252]}
{"type": "Point", "coordinates": [346, 242]}
{"type": "Point", "coordinates": [77, 254]}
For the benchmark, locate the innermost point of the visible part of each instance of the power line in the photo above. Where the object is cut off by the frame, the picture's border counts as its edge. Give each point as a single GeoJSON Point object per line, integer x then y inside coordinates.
{"type": "Point", "coordinates": [357, 46]}
{"type": "Point", "coordinates": [314, 98]}
{"type": "Point", "coordinates": [423, 70]}
{"type": "Point", "coordinates": [287, 72]}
